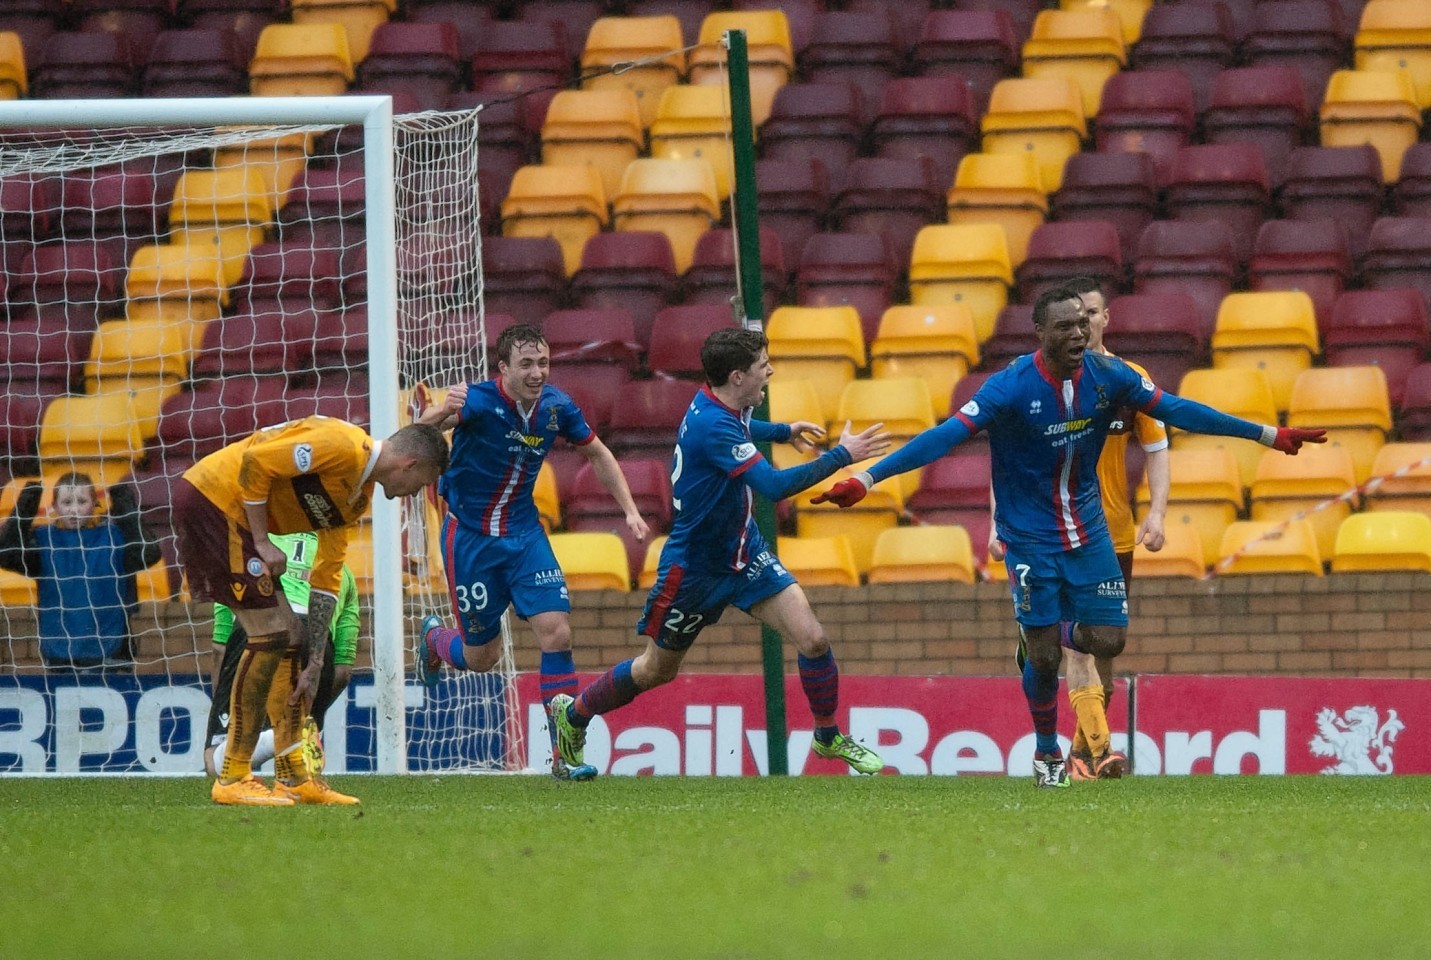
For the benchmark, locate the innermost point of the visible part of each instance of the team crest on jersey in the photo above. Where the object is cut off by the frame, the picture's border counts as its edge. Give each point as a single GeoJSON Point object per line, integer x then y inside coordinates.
{"type": "Point", "coordinates": [303, 457]}
{"type": "Point", "coordinates": [264, 585]}
{"type": "Point", "coordinates": [970, 409]}
{"type": "Point", "coordinates": [1102, 402]}
{"type": "Point", "coordinates": [254, 567]}
{"type": "Point", "coordinates": [742, 452]}
{"type": "Point", "coordinates": [552, 420]}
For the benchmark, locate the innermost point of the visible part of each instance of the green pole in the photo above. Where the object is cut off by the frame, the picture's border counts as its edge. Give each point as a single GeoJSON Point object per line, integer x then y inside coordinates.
{"type": "Point", "coordinates": [752, 288]}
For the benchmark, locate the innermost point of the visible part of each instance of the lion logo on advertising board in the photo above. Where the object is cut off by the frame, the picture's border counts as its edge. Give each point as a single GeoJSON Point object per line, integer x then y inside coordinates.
{"type": "Point", "coordinates": [1359, 741]}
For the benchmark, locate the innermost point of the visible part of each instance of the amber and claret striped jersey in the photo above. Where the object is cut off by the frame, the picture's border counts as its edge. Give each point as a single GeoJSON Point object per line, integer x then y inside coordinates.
{"type": "Point", "coordinates": [314, 474]}
{"type": "Point", "coordinates": [1113, 470]}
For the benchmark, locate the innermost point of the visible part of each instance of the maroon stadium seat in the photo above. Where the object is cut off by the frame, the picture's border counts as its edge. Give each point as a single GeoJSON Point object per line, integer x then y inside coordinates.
{"type": "Point", "coordinates": [1199, 39]}
{"type": "Point", "coordinates": [1190, 257]}
{"type": "Point", "coordinates": [524, 277]}
{"type": "Point", "coordinates": [644, 423]}
{"type": "Point", "coordinates": [1399, 255]}
{"type": "Point", "coordinates": [794, 199]}
{"type": "Point", "coordinates": [955, 489]}
{"type": "Point", "coordinates": [202, 62]}
{"type": "Point", "coordinates": [849, 47]}
{"type": "Point", "coordinates": [1060, 251]}
{"type": "Point", "coordinates": [855, 269]}
{"type": "Point", "coordinates": [424, 59]}
{"type": "Point", "coordinates": [1307, 35]}
{"type": "Point", "coordinates": [1121, 188]}
{"type": "Point", "coordinates": [1411, 194]}
{"type": "Point", "coordinates": [75, 283]}
{"type": "Point", "coordinates": [1264, 105]}
{"type": "Point", "coordinates": [85, 66]}
{"type": "Point", "coordinates": [1224, 182]}
{"type": "Point", "coordinates": [1414, 415]}
{"type": "Point", "coordinates": [930, 117]}
{"type": "Point", "coordinates": [815, 121]}
{"type": "Point", "coordinates": [1147, 111]}
{"type": "Point", "coordinates": [592, 337]}
{"type": "Point", "coordinates": [893, 196]}
{"type": "Point", "coordinates": [1313, 256]}
{"type": "Point", "coordinates": [214, 413]}
{"type": "Point", "coordinates": [633, 271]}
{"type": "Point", "coordinates": [1161, 331]}
{"type": "Point", "coordinates": [1013, 336]}
{"type": "Point", "coordinates": [516, 55]}
{"type": "Point", "coordinates": [1335, 183]}
{"type": "Point", "coordinates": [588, 506]}
{"type": "Point", "coordinates": [469, 19]}
{"type": "Point", "coordinates": [711, 277]}
{"type": "Point", "coordinates": [268, 342]}
{"type": "Point", "coordinates": [979, 46]}
{"type": "Point", "coordinates": [1385, 328]}
{"type": "Point", "coordinates": [290, 277]}
{"type": "Point", "coordinates": [677, 337]}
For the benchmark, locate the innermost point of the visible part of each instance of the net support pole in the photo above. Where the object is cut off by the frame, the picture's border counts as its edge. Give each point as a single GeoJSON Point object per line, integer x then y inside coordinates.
{"type": "Point", "coordinates": [745, 210]}
{"type": "Point", "coordinates": [390, 714]}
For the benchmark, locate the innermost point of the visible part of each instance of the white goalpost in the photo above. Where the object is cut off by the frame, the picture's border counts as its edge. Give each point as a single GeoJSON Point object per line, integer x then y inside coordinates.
{"type": "Point", "coordinates": [294, 256]}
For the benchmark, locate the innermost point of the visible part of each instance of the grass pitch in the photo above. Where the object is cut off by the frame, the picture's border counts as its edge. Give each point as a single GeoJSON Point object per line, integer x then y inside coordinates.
{"type": "Point", "coordinates": [817, 867]}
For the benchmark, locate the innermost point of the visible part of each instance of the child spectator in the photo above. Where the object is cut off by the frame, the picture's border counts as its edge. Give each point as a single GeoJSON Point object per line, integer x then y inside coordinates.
{"type": "Point", "coordinates": [84, 567]}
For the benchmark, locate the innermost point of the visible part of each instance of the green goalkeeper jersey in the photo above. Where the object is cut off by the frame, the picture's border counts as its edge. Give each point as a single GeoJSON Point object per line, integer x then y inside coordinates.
{"type": "Point", "coordinates": [300, 549]}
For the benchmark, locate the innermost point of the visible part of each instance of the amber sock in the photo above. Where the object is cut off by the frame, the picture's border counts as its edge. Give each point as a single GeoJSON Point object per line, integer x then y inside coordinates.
{"type": "Point", "coordinates": [1092, 720]}
{"type": "Point", "coordinates": [252, 682]}
{"type": "Point", "coordinates": [287, 720]}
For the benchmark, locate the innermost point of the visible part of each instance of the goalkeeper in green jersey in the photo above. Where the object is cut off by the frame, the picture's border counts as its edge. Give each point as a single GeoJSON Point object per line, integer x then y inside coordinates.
{"type": "Point", "coordinates": [230, 640]}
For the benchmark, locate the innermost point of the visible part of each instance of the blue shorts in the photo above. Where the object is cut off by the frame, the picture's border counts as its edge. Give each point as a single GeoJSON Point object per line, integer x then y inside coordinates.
{"type": "Point", "coordinates": [1084, 585]}
{"type": "Point", "coordinates": [682, 603]}
{"type": "Point", "coordinates": [485, 574]}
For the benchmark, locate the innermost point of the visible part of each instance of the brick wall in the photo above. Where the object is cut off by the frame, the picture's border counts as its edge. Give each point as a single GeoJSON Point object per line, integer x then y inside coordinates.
{"type": "Point", "coordinates": [1343, 625]}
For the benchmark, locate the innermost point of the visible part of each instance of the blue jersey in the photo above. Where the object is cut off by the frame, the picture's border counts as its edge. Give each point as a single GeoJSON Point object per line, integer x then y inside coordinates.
{"type": "Point", "coordinates": [497, 449]}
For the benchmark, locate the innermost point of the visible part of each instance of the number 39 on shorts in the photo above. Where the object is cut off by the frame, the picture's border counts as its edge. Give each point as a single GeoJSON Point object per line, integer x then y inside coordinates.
{"type": "Point", "coordinates": [473, 597]}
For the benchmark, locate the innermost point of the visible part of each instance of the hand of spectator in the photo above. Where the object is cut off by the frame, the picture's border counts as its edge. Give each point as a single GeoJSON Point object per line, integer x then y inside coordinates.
{"type": "Point", "coordinates": [123, 501]}
{"type": "Point", "coordinates": [27, 504]}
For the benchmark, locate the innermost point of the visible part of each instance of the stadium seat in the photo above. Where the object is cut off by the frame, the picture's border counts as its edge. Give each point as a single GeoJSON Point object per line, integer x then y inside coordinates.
{"type": "Point", "coordinates": [1000, 188]}
{"type": "Point", "coordinates": [1120, 188]}
{"type": "Point", "coordinates": [566, 202]}
{"type": "Point", "coordinates": [301, 59]}
{"type": "Point", "coordinates": [790, 401]}
{"type": "Point", "coordinates": [820, 561]}
{"type": "Point", "coordinates": [176, 280]}
{"type": "Point", "coordinates": [1307, 35]}
{"type": "Point", "coordinates": [619, 41]}
{"type": "Point", "coordinates": [902, 404]}
{"type": "Point", "coordinates": [712, 279]}
{"type": "Point", "coordinates": [358, 18]}
{"type": "Point", "coordinates": [141, 353]}
{"type": "Point", "coordinates": [584, 340]}
{"type": "Point", "coordinates": [601, 128]}
{"type": "Point", "coordinates": [246, 19]}
{"type": "Point", "coordinates": [1182, 555]}
{"type": "Point", "coordinates": [520, 55]}
{"type": "Point", "coordinates": [1194, 258]}
{"type": "Point", "coordinates": [933, 553]}
{"type": "Point", "coordinates": [1085, 46]}
{"type": "Point", "coordinates": [1351, 403]}
{"type": "Point", "coordinates": [962, 263]}
{"type": "Point", "coordinates": [689, 14]}
{"type": "Point", "coordinates": [1205, 495]}
{"type": "Point", "coordinates": [676, 197]}
{"type": "Point", "coordinates": [857, 270]}
{"type": "Point", "coordinates": [1043, 117]}
{"type": "Point", "coordinates": [14, 80]}
{"type": "Point", "coordinates": [1252, 547]}
{"type": "Point", "coordinates": [281, 275]}
{"type": "Point", "coordinates": [1198, 39]}
{"type": "Point", "coordinates": [1149, 112]}
{"type": "Point", "coordinates": [589, 507]}
{"type": "Point", "coordinates": [677, 336]}
{"type": "Point", "coordinates": [955, 490]}
{"type": "Point", "coordinates": [72, 284]}
{"type": "Point", "coordinates": [853, 47]}
{"type": "Point", "coordinates": [861, 525]}
{"type": "Point", "coordinates": [643, 423]}
{"type": "Point", "coordinates": [595, 391]}
{"type": "Point", "coordinates": [815, 121]}
{"type": "Point", "coordinates": [212, 413]}
{"type": "Point", "coordinates": [522, 277]}
{"type": "Point", "coordinates": [1404, 471]}
{"type": "Point", "coordinates": [1313, 256]}
{"type": "Point", "coordinates": [1161, 332]}
{"type": "Point", "coordinates": [1375, 107]}
{"type": "Point", "coordinates": [635, 272]}
{"type": "Point", "coordinates": [225, 209]}
{"type": "Point", "coordinates": [934, 343]}
{"type": "Point", "coordinates": [1013, 336]}
{"type": "Point", "coordinates": [1335, 183]}
{"type": "Point", "coordinates": [1386, 328]}
{"type": "Point", "coordinates": [893, 196]}
{"type": "Point", "coordinates": [1411, 194]}
{"type": "Point", "coordinates": [195, 63]}
{"type": "Point", "coordinates": [825, 345]}
{"type": "Point", "coordinates": [926, 117]}
{"type": "Point", "coordinates": [1414, 416]}
{"type": "Point", "coordinates": [693, 123]}
{"type": "Point", "coordinates": [271, 341]}
{"type": "Point", "coordinates": [1273, 332]}
{"type": "Point", "coordinates": [1308, 484]}
{"type": "Point", "coordinates": [105, 431]}
{"type": "Point", "coordinates": [1242, 392]}
{"type": "Point", "coordinates": [978, 46]}
{"type": "Point", "coordinates": [1396, 35]}
{"type": "Point", "coordinates": [1398, 254]}
{"type": "Point", "coordinates": [794, 198]}
{"type": "Point", "coordinates": [85, 66]}
{"type": "Point", "coordinates": [1383, 542]}
{"type": "Point", "coordinates": [1059, 252]}
{"type": "Point", "coordinates": [326, 208]}
{"type": "Point", "coordinates": [1264, 105]}
{"type": "Point", "coordinates": [424, 59]}
{"type": "Point", "coordinates": [772, 56]}
{"type": "Point", "coordinates": [1226, 182]}
{"type": "Point", "coordinates": [646, 579]}
{"type": "Point", "coordinates": [592, 561]}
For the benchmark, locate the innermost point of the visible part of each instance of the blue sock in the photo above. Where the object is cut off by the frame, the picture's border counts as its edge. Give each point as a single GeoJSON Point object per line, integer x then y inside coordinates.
{"type": "Point", "coordinates": [1041, 691]}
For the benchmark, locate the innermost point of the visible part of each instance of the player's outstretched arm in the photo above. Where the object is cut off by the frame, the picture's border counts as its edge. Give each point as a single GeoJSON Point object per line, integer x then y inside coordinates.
{"type": "Point", "coordinates": [608, 471]}
{"type": "Point", "coordinates": [1200, 418]}
{"type": "Point", "coordinates": [925, 448]}
{"type": "Point", "coordinates": [779, 484]}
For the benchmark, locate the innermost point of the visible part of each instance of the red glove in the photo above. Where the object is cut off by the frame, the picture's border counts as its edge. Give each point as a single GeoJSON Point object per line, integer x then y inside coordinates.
{"type": "Point", "coordinates": [846, 493]}
{"type": "Point", "coordinates": [1290, 439]}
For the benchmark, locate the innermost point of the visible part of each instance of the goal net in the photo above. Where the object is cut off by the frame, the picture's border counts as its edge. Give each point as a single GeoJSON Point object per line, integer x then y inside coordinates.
{"type": "Point", "coordinates": [177, 274]}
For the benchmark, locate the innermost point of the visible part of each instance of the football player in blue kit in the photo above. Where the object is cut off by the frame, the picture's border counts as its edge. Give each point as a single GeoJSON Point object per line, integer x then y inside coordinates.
{"type": "Point", "coordinates": [716, 557]}
{"type": "Point", "coordinates": [493, 545]}
{"type": "Point", "coordinates": [1047, 414]}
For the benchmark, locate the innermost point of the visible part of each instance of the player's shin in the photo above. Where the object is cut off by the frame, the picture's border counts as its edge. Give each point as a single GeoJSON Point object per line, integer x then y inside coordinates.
{"type": "Point", "coordinates": [1041, 690]}
{"type": "Point", "coordinates": [820, 679]}
{"type": "Point", "coordinates": [289, 763]}
{"type": "Point", "coordinates": [252, 681]}
{"type": "Point", "coordinates": [1087, 703]}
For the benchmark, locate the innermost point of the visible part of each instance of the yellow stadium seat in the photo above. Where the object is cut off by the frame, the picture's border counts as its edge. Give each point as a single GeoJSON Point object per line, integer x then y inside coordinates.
{"type": "Point", "coordinates": [1039, 116]}
{"type": "Point", "coordinates": [935, 343]}
{"type": "Point", "coordinates": [1249, 547]}
{"type": "Point", "coordinates": [1130, 14]}
{"type": "Point", "coordinates": [566, 202]}
{"type": "Point", "coordinates": [793, 400]}
{"type": "Point", "coordinates": [903, 404]}
{"type": "Point", "coordinates": [93, 427]}
{"type": "Point", "coordinates": [278, 160]}
{"type": "Point", "coordinates": [16, 590]}
{"type": "Point", "coordinates": [1243, 393]}
{"type": "Point", "coordinates": [693, 123]}
{"type": "Point", "coordinates": [622, 40]}
{"type": "Point", "coordinates": [601, 128]}
{"type": "Point", "coordinates": [1392, 540]}
{"type": "Point", "coordinates": [14, 82]}
{"type": "Point", "coordinates": [1085, 46]}
{"type": "Point", "coordinates": [861, 525]}
{"type": "Point", "coordinates": [1376, 107]}
{"type": "Point", "coordinates": [1204, 495]}
{"type": "Point", "coordinates": [1351, 403]}
{"type": "Point", "coordinates": [935, 552]}
{"type": "Point", "coordinates": [676, 197]}
{"type": "Point", "coordinates": [141, 352]}
{"type": "Point", "coordinates": [1396, 35]}
{"type": "Point", "coordinates": [1004, 189]}
{"type": "Point", "coordinates": [234, 196]}
{"type": "Point", "coordinates": [819, 561]}
{"type": "Point", "coordinates": [647, 578]}
{"type": "Point", "coordinates": [1273, 331]}
{"type": "Point", "coordinates": [1285, 486]}
{"type": "Point", "coordinates": [190, 279]}
{"type": "Point", "coordinates": [592, 561]}
{"type": "Point", "coordinates": [1409, 491]}
{"type": "Point", "coordinates": [1182, 555]}
{"type": "Point", "coordinates": [824, 345]}
{"type": "Point", "coordinates": [358, 19]}
{"type": "Point", "coordinates": [360, 555]}
{"type": "Point", "coordinates": [965, 263]}
{"type": "Point", "coordinates": [153, 584]}
{"type": "Point", "coordinates": [772, 57]}
{"type": "Point", "coordinates": [547, 499]}
{"type": "Point", "coordinates": [301, 59]}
